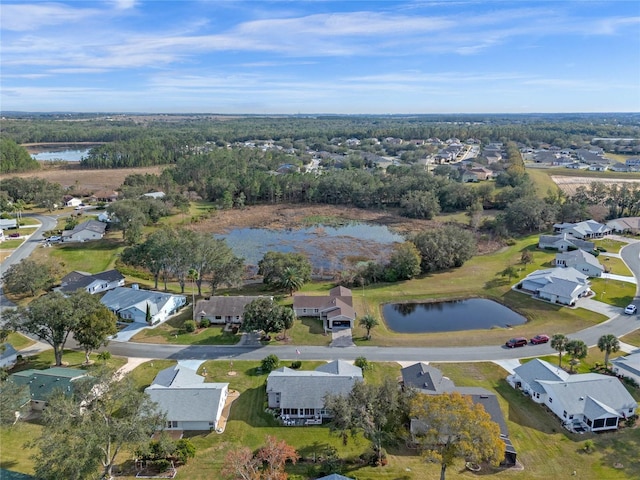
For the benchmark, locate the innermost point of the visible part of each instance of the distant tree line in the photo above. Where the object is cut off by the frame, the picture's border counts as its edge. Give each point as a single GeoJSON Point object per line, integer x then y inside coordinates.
{"type": "Point", "coordinates": [15, 158]}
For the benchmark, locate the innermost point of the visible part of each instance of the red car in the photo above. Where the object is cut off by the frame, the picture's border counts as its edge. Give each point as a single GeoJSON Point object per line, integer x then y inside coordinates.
{"type": "Point", "coordinates": [14, 235]}
{"type": "Point", "coordinates": [516, 342]}
{"type": "Point", "coordinates": [538, 339]}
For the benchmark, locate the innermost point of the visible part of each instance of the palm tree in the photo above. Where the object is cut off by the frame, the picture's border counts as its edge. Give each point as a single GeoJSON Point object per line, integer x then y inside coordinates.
{"type": "Point", "coordinates": [559, 344]}
{"type": "Point", "coordinates": [608, 344]}
{"type": "Point", "coordinates": [577, 349]}
{"type": "Point", "coordinates": [193, 276]}
{"type": "Point", "coordinates": [291, 280]}
{"type": "Point", "coordinates": [368, 321]}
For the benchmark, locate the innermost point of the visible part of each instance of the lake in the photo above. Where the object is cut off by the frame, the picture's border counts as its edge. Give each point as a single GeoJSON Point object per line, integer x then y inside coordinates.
{"type": "Point", "coordinates": [69, 155]}
{"type": "Point", "coordinates": [469, 314]}
{"type": "Point", "coordinates": [327, 248]}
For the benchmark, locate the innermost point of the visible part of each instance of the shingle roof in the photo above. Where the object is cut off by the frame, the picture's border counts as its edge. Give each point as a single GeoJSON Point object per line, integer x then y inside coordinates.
{"type": "Point", "coordinates": [628, 362]}
{"type": "Point", "coordinates": [42, 383]}
{"type": "Point", "coordinates": [538, 369]}
{"type": "Point", "coordinates": [122, 297]}
{"type": "Point", "coordinates": [308, 388]}
{"type": "Point", "coordinates": [577, 256]}
{"type": "Point", "coordinates": [184, 396]}
{"type": "Point", "coordinates": [76, 280]}
{"type": "Point", "coordinates": [7, 351]}
{"type": "Point", "coordinates": [426, 378]}
{"type": "Point", "coordinates": [91, 225]}
{"type": "Point", "coordinates": [231, 306]}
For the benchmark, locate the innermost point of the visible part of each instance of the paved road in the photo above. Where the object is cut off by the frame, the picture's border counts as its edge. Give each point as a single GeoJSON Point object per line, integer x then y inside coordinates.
{"type": "Point", "coordinates": [24, 250]}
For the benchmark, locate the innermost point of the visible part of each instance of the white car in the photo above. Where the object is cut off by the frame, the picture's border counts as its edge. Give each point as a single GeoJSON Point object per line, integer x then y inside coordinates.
{"type": "Point", "coordinates": [631, 309]}
{"type": "Point", "coordinates": [53, 239]}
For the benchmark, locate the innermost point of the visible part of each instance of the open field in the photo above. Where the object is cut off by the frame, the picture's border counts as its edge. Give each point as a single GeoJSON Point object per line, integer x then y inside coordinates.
{"type": "Point", "coordinates": [569, 184]}
{"type": "Point", "coordinates": [71, 174]}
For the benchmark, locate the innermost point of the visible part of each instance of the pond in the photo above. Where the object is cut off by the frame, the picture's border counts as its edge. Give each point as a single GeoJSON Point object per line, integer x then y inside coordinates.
{"type": "Point", "coordinates": [327, 248]}
{"type": "Point", "coordinates": [69, 155]}
{"type": "Point", "coordinates": [469, 314]}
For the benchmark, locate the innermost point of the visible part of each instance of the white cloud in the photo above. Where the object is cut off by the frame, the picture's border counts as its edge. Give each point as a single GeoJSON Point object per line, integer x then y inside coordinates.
{"type": "Point", "coordinates": [31, 16]}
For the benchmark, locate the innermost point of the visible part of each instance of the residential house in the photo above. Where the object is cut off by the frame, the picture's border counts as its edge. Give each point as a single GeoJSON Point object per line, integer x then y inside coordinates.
{"type": "Point", "coordinates": [92, 283]}
{"type": "Point", "coordinates": [154, 195]}
{"type": "Point", "coordinates": [557, 285]}
{"type": "Point", "coordinates": [335, 310]}
{"type": "Point", "coordinates": [588, 401]}
{"type": "Point", "coordinates": [72, 202]}
{"type": "Point", "coordinates": [136, 304]}
{"type": "Point", "coordinates": [429, 380]}
{"type": "Point", "coordinates": [8, 223]}
{"type": "Point", "coordinates": [299, 394]}
{"type": "Point", "coordinates": [187, 400]}
{"type": "Point", "coordinates": [627, 366]}
{"type": "Point", "coordinates": [633, 162]}
{"type": "Point", "coordinates": [625, 225]}
{"type": "Point", "coordinates": [105, 196]}
{"type": "Point", "coordinates": [42, 383]}
{"type": "Point", "coordinates": [86, 231]}
{"type": "Point", "coordinates": [583, 230]}
{"type": "Point", "coordinates": [223, 310]}
{"type": "Point", "coordinates": [590, 156]}
{"type": "Point", "coordinates": [8, 355]}
{"type": "Point", "coordinates": [598, 167]}
{"type": "Point", "coordinates": [582, 261]}
{"type": "Point", "coordinates": [564, 242]}
{"type": "Point", "coordinates": [577, 166]}
{"type": "Point", "coordinates": [620, 167]}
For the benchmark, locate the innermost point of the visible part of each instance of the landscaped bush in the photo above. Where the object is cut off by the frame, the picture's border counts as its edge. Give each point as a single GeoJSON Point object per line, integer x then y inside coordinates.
{"type": "Point", "coordinates": [296, 365]}
{"type": "Point", "coordinates": [269, 363]}
{"type": "Point", "coordinates": [189, 326]}
{"type": "Point", "coordinates": [205, 323]}
{"type": "Point", "coordinates": [162, 465]}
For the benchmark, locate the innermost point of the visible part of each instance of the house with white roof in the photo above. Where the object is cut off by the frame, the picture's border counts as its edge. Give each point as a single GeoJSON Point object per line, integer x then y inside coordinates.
{"type": "Point", "coordinates": [583, 230]}
{"type": "Point", "coordinates": [627, 366]}
{"type": "Point", "coordinates": [72, 202]}
{"type": "Point", "coordinates": [564, 242]}
{"type": "Point", "coordinates": [134, 303]}
{"type": "Point", "coordinates": [85, 231]}
{"type": "Point", "coordinates": [91, 282]}
{"type": "Point", "coordinates": [582, 261]}
{"type": "Point", "coordinates": [187, 400]}
{"type": "Point", "coordinates": [299, 394]}
{"type": "Point", "coordinates": [335, 310]}
{"type": "Point", "coordinates": [557, 285]}
{"type": "Point", "coordinates": [589, 401]}
{"type": "Point", "coordinates": [625, 225]}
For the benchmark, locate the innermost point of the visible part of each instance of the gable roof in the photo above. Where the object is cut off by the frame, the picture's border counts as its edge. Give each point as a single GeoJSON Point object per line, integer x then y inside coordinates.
{"type": "Point", "coordinates": [231, 306]}
{"type": "Point", "coordinates": [566, 279]}
{"type": "Point", "coordinates": [42, 383]}
{"type": "Point", "coordinates": [77, 280]}
{"type": "Point", "coordinates": [588, 227]}
{"type": "Point", "coordinates": [538, 369]}
{"type": "Point", "coordinates": [552, 240]}
{"type": "Point", "coordinates": [426, 378]}
{"type": "Point", "coordinates": [308, 387]}
{"type": "Point", "coordinates": [579, 256]}
{"type": "Point", "coordinates": [7, 351]}
{"type": "Point", "coordinates": [91, 225]}
{"type": "Point", "coordinates": [124, 298]}
{"type": "Point", "coordinates": [184, 396]}
{"type": "Point", "coordinates": [630, 363]}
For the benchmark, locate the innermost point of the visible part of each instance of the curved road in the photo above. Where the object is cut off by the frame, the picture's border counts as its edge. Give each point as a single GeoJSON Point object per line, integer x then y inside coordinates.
{"type": "Point", "coordinates": [619, 325]}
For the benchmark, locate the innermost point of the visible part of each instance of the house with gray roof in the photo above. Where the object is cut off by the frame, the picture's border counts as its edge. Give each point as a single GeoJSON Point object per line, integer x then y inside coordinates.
{"type": "Point", "coordinates": [188, 401]}
{"type": "Point", "coordinates": [7, 223]}
{"type": "Point", "coordinates": [583, 230]}
{"type": "Point", "coordinates": [582, 261]}
{"type": "Point", "coordinates": [224, 310]}
{"type": "Point", "coordinates": [627, 366]}
{"type": "Point", "coordinates": [86, 231]}
{"type": "Point", "coordinates": [564, 242]}
{"type": "Point", "coordinates": [335, 310]}
{"type": "Point", "coordinates": [429, 380]}
{"type": "Point", "coordinates": [625, 225]}
{"type": "Point", "coordinates": [557, 285]}
{"type": "Point", "coordinates": [43, 383]}
{"type": "Point", "coordinates": [299, 394]}
{"type": "Point", "coordinates": [134, 303]}
{"type": "Point", "coordinates": [8, 355]}
{"type": "Point", "coordinates": [91, 282]}
{"type": "Point", "coordinates": [590, 401]}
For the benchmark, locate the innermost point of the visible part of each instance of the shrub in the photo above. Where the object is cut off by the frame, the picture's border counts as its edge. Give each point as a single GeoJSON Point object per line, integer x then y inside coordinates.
{"type": "Point", "coordinates": [184, 450]}
{"type": "Point", "coordinates": [205, 323]}
{"type": "Point", "coordinates": [589, 446]}
{"type": "Point", "coordinates": [190, 326]}
{"type": "Point", "coordinates": [162, 465]}
{"type": "Point", "coordinates": [269, 363]}
{"type": "Point", "coordinates": [296, 365]}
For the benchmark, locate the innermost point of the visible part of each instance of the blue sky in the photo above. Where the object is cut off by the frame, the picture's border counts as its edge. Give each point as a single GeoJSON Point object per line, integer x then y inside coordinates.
{"type": "Point", "coordinates": [353, 57]}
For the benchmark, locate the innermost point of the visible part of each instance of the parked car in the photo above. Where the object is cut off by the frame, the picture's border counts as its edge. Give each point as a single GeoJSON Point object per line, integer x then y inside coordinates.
{"type": "Point", "coordinates": [516, 342]}
{"type": "Point", "coordinates": [538, 339]}
{"type": "Point", "coordinates": [14, 235]}
{"type": "Point", "coordinates": [53, 239]}
{"type": "Point", "coordinates": [631, 309]}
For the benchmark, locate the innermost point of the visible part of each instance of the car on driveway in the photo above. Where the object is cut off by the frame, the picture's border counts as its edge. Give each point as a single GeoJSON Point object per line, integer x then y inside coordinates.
{"type": "Point", "coordinates": [53, 239]}
{"type": "Point", "coordinates": [538, 339]}
{"type": "Point", "coordinates": [516, 342]}
{"type": "Point", "coordinates": [631, 309]}
{"type": "Point", "coordinates": [14, 235]}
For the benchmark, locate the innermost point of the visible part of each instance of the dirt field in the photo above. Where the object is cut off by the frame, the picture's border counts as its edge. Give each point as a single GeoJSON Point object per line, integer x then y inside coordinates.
{"type": "Point", "coordinates": [568, 185]}
{"type": "Point", "coordinates": [90, 180]}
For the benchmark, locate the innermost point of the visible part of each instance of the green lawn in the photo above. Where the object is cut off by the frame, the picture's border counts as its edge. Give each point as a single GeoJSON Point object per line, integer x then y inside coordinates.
{"type": "Point", "coordinates": [19, 341]}
{"type": "Point", "coordinates": [613, 292]}
{"type": "Point", "coordinates": [615, 265]}
{"type": "Point", "coordinates": [70, 359]}
{"type": "Point", "coordinates": [11, 244]}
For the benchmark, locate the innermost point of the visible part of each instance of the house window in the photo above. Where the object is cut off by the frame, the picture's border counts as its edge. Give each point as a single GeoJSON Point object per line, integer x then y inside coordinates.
{"type": "Point", "coordinates": [211, 424]}
{"type": "Point", "coordinates": [550, 400]}
{"type": "Point", "coordinates": [570, 417]}
{"type": "Point", "coordinates": [309, 411]}
{"type": "Point", "coordinates": [564, 414]}
{"type": "Point", "coordinates": [599, 423]}
{"type": "Point", "coordinates": [172, 424]}
{"type": "Point", "coordinates": [611, 422]}
{"type": "Point", "coordinates": [631, 410]}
